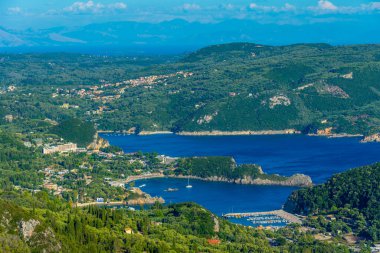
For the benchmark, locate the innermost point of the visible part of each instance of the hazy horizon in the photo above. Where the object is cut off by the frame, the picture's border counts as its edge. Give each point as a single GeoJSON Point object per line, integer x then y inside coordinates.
{"type": "Point", "coordinates": [179, 26]}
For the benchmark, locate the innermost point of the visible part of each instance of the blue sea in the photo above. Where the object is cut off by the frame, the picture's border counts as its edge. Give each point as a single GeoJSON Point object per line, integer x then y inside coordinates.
{"type": "Point", "coordinates": [318, 157]}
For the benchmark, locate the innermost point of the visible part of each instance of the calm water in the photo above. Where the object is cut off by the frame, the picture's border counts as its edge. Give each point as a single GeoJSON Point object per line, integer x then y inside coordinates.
{"type": "Point", "coordinates": [219, 197]}
{"type": "Point", "coordinates": [317, 157]}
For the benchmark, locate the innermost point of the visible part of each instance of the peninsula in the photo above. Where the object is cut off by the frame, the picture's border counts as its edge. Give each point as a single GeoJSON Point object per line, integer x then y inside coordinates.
{"type": "Point", "coordinates": [225, 169]}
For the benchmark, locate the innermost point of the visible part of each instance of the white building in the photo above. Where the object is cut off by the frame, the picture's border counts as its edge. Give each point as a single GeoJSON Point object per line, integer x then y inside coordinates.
{"type": "Point", "coordinates": [68, 147]}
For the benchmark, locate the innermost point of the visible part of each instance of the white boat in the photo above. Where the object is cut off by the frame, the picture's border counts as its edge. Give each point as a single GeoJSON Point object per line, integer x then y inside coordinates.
{"type": "Point", "coordinates": [143, 185]}
{"type": "Point", "coordinates": [188, 186]}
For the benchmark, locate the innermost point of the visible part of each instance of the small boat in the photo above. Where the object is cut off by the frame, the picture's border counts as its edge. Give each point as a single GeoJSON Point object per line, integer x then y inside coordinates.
{"type": "Point", "coordinates": [188, 186]}
{"type": "Point", "coordinates": [171, 190]}
{"type": "Point", "coordinates": [143, 185]}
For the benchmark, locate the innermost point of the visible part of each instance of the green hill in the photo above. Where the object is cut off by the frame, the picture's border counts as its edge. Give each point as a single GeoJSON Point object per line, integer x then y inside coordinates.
{"type": "Point", "coordinates": [229, 87]}
{"type": "Point", "coordinates": [352, 196]}
{"type": "Point", "coordinates": [75, 130]}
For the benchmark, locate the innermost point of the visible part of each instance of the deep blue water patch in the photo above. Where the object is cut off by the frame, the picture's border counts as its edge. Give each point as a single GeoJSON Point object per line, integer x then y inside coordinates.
{"type": "Point", "coordinates": [318, 157]}
{"type": "Point", "coordinates": [219, 197]}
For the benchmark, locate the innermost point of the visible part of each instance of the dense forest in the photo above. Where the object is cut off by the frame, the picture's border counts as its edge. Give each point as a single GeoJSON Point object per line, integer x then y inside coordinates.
{"type": "Point", "coordinates": [42, 223]}
{"type": "Point", "coordinates": [222, 167]}
{"type": "Point", "coordinates": [35, 220]}
{"type": "Point", "coordinates": [352, 197]}
{"type": "Point", "coordinates": [238, 86]}
{"type": "Point", "coordinates": [76, 131]}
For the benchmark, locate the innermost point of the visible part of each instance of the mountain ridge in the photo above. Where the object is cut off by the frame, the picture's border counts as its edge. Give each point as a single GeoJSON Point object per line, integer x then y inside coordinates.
{"type": "Point", "coordinates": [181, 34]}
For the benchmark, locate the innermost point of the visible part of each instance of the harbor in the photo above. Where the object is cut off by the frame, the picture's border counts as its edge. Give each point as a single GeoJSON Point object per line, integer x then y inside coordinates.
{"type": "Point", "coordinates": [275, 218]}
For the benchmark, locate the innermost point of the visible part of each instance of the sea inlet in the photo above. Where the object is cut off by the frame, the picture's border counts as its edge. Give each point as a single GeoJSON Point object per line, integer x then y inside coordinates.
{"type": "Point", "coordinates": [318, 157]}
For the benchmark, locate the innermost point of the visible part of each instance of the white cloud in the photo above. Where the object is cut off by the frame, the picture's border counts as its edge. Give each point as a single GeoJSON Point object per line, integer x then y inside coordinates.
{"type": "Point", "coordinates": [14, 10]}
{"type": "Point", "coordinates": [117, 6]}
{"type": "Point", "coordinates": [326, 5]}
{"type": "Point", "coordinates": [265, 8]}
{"type": "Point", "coordinates": [373, 6]}
{"type": "Point", "coordinates": [191, 7]}
{"type": "Point", "coordinates": [91, 6]}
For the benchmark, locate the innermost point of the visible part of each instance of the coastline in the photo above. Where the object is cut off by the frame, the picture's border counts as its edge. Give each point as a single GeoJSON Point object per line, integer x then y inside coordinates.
{"type": "Point", "coordinates": [292, 181]}
{"type": "Point", "coordinates": [247, 132]}
{"type": "Point", "coordinates": [208, 133]}
{"type": "Point", "coordinates": [154, 132]}
{"type": "Point", "coordinates": [233, 133]}
{"type": "Point", "coordinates": [365, 139]}
{"type": "Point", "coordinates": [296, 180]}
{"type": "Point", "coordinates": [342, 135]}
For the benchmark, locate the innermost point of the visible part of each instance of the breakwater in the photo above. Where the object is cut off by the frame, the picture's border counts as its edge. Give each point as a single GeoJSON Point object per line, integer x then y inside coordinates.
{"type": "Point", "coordinates": [290, 218]}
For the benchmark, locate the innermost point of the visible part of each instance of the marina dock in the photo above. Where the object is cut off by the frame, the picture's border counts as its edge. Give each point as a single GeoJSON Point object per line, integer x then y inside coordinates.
{"type": "Point", "coordinates": [259, 217]}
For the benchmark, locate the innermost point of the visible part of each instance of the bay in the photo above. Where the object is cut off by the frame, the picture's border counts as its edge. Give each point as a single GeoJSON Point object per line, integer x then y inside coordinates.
{"type": "Point", "coordinates": [318, 157]}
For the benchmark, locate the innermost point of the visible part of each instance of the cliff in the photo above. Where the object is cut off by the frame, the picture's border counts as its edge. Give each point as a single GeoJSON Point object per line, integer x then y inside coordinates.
{"type": "Point", "coordinates": [372, 138]}
{"type": "Point", "coordinates": [98, 143]}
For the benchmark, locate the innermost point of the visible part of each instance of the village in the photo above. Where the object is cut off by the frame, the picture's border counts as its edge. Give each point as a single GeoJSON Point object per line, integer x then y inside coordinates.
{"type": "Point", "coordinates": [101, 177]}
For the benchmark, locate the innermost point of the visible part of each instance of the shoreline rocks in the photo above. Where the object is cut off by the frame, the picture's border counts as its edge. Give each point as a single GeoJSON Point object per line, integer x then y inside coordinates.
{"type": "Point", "coordinates": [299, 180]}
{"type": "Point", "coordinates": [248, 132]}
{"type": "Point", "coordinates": [154, 132]}
{"type": "Point", "coordinates": [144, 198]}
{"type": "Point", "coordinates": [371, 138]}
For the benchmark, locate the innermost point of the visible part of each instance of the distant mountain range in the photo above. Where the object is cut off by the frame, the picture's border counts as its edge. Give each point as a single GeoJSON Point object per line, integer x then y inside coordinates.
{"type": "Point", "coordinates": [181, 36]}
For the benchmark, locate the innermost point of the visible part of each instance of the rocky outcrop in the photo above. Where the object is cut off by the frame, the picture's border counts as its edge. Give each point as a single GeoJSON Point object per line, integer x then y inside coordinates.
{"type": "Point", "coordinates": [348, 75]}
{"type": "Point", "coordinates": [145, 201]}
{"type": "Point", "coordinates": [46, 241]}
{"type": "Point", "coordinates": [98, 143]}
{"type": "Point", "coordinates": [279, 100]}
{"type": "Point", "coordinates": [295, 180]}
{"type": "Point", "coordinates": [334, 91]}
{"type": "Point", "coordinates": [144, 198]}
{"type": "Point", "coordinates": [372, 138]}
{"type": "Point", "coordinates": [27, 228]}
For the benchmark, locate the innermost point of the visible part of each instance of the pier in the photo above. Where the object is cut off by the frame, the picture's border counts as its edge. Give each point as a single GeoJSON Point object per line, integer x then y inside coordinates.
{"type": "Point", "coordinates": [290, 218]}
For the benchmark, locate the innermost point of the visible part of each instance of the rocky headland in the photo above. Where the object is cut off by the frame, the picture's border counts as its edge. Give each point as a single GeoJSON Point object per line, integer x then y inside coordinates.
{"type": "Point", "coordinates": [372, 138]}
{"type": "Point", "coordinates": [298, 180]}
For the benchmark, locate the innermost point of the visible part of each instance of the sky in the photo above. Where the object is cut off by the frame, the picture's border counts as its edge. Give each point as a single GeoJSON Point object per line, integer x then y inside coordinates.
{"type": "Point", "coordinates": [39, 14]}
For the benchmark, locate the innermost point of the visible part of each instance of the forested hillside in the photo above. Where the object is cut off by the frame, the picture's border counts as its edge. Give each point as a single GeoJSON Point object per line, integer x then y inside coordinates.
{"type": "Point", "coordinates": [36, 219]}
{"type": "Point", "coordinates": [230, 87]}
{"type": "Point", "coordinates": [353, 197]}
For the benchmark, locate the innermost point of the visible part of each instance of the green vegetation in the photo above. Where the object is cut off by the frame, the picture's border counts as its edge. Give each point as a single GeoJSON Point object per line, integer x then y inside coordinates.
{"type": "Point", "coordinates": [221, 167]}
{"type": "Point", "coordinates": [238, 86]}
{"type": "Point", "coordinates": [231, 87]}
{"type": "Point", "coordinates": [55, 226]}
{"type": "Point", "coordinates": [76, 131]}
{"type": "Point", "coordinates": [350, 199]}
{"type": "Point", "coordinates": [35, 218]}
